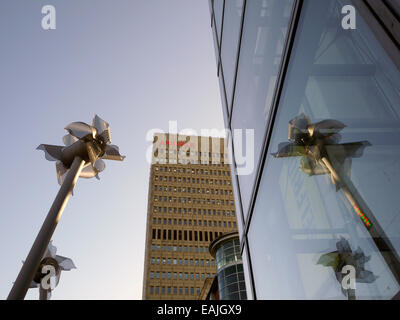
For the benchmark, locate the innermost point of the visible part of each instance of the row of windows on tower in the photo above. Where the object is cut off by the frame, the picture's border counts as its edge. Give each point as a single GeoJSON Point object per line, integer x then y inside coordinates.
{"type": "Point", "coordinates": [192, 181]}
{"type": "Point", "coordinates": [199, 211]}
{"type": "Point", "coordinates": [209, 223]}
{"type": "Point", "coordinates": [220, 192]}
{"type": "Point", "coordinates": [194, 200]}
{"type": "Point", "coordinates": [200, 171]}
{"type": "Point", "coordinates": [185, 235]}
{"type": "Point", "coordinates": [183, 262]}
{"type": "Point", "coordinates": [173, 290]}
{"type": "Point", "coordinates": [195, 249]}
{"type": "Point", "coordinates": [179, 275]}
{"type": "Point", "coordinates": [192, 161]}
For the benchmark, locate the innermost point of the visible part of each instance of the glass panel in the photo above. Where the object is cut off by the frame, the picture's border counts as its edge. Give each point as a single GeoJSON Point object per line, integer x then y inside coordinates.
{"type": "Point", "coordinates": [327, 211]}
{"type": "Point", "coordinates": [218, 10]}
{"type": "Point", "coordinates": [239, 215]}
{"type": "Point", "coordinates": [246, 272]}
{"type": "Point", "coordinates": [216, 47]}
{"type": "Point", "coordinates": [264, 33]}
{"type": "Point", "coordinates": [223, 98]}
{"type": "Point", "coordinates": [233, 296]}
{"type": "Point", "coordinates": [230, 38]}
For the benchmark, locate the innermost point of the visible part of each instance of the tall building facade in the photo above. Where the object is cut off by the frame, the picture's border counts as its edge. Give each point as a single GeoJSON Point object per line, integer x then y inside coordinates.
{"type": "Point", "coordinates": [319, 82]}
{"type": "Point", "coordinates": [190, 204]}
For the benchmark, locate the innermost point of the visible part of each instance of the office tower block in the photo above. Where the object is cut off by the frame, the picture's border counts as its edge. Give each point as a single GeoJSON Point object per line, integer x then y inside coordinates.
{"type": "Point", "coordinates": [190, 203]}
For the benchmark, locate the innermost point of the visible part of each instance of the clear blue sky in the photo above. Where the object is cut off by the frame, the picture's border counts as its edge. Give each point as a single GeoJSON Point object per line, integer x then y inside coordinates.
{"type": "Point", "coordinates": [136, 63]}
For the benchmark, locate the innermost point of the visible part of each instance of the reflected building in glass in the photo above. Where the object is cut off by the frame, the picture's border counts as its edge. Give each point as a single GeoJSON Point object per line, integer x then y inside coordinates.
{"type": "Point", "coordinates": [318, 215]}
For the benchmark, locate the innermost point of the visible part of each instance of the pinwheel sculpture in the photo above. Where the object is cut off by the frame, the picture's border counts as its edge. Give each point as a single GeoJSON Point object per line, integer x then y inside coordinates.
{"type": "Point", "coordinates": [86, 146]}
{"type": "Point", "coordinates": [344, 256]}
{"type": "Point", "coordinates": [50, 261]}
{"type": "Point", "coordinates": [318, 146]}
{"type": "Point", "coordinates": [90, 143]}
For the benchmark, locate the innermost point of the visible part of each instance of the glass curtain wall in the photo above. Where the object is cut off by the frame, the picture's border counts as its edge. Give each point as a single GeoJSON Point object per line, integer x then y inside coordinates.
{"type": "Point", "coordinates": [319, 208]}
{"type": "Point", "coordinates": [329, 188]}
{"type": "Point", "coordinates": [230, 271]}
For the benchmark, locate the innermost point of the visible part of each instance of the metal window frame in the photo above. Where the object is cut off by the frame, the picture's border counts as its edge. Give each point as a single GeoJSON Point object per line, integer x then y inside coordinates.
{"type": "Point", "coordinates": [384, 23]}
{"type": "Point", "coordinates": [230, 117]}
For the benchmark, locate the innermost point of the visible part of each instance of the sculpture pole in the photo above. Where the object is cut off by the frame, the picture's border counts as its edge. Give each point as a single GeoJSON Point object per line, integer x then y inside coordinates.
{"type": "Point", "coordinates": [32, 262]}
{"type": "Point", "coordinates": [377, 233]}
{"type": "Point", "coordinates": [44, 294]}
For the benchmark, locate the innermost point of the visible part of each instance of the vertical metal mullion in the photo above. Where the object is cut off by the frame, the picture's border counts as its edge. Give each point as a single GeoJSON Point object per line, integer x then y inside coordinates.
{"type": "Point", "coordinates": [250, 268]}
{"type": "Point", "coordinates": [230, 125]}
{"type": "Point", "coordinates": [212, 13]}
{"type": "Point", "coordinates": [237, 61]}
{"type": "Point", "coordinates": [219, 36]}
{"type": "Point", "coordinates": [384, 25]}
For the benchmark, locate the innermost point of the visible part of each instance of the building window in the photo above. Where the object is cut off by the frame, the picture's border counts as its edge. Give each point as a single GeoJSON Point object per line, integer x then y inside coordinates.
{"type": "Point", "coordinates": [330, 203]}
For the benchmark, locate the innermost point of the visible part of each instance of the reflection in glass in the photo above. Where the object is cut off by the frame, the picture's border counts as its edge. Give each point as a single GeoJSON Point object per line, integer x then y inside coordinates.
{"type": "Point", "coordinates": [264, 33]}
{"type": "Point", "coordinates": [332, 190]}
{"type": "Point", "coordinates": [343, 257]}
{"type": "Point", "coordinates": [321, 153]}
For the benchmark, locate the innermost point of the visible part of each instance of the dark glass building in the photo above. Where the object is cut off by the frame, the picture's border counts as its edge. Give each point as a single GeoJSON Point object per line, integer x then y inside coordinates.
{"type": "Point", "coordinates": [318, 81]}
{"type": "Point", "coordinates": [226, 251]}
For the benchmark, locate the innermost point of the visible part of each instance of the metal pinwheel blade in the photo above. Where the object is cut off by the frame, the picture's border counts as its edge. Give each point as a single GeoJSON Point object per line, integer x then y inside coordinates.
{"type": "Point", "coordinates": [80, 130]}
{"type": "Point", "coordinates": [90, 142]}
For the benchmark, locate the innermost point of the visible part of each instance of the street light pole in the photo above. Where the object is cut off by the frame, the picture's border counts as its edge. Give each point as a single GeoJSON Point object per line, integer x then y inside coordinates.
{"type": "Point", "coordinates": [32, 262]}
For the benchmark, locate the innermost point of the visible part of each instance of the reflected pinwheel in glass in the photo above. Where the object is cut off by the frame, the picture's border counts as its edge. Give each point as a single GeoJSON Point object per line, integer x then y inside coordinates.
{"type": "Point", "coordinates": [90, 143]}
{"type": "Point", "coordinates": [317, 143]}
{"type": "Point", "coordinates": [344, 256]}
{"type": "Point", "coordinates": [318, 146]}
